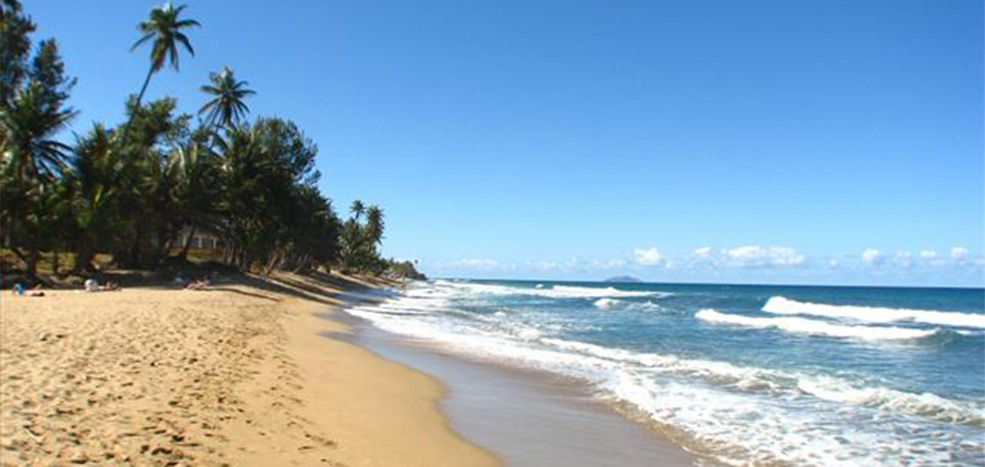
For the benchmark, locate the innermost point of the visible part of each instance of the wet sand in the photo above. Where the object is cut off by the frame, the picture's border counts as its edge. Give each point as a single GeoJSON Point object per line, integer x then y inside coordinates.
{"type": "Point", "coordinates": [526, 418]}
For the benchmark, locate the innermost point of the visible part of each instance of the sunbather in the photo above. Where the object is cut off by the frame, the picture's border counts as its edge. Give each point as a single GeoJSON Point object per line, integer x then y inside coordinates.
{"type": "Point", "coordinates": [35, 291]}
{"type": "Point", "coordinates": [200, 284]}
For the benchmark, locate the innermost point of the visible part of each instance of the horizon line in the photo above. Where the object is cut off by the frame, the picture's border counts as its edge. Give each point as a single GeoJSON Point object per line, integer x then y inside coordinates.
{"type": "Point", "coordinates": [604, 281]}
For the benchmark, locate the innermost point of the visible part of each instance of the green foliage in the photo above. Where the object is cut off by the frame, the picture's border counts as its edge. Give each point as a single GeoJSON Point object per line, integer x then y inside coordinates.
{"type": "Point", "coordinates": [163, 29]}
{"type": "Point", "coordinates": [268, 172]}
{"type": "Point", "coordinates": [15, 47]}
{"type": "Point", "coordinates": [164, 26]}
{"type": "Point", "coordinates": [48, 77]}
{"type": "Point", "coordinates": [404, 270]}
{"type": "Point", "coordinates": [27, 135]}
{"type": "Point", "coordinates": [226, 108]}
{"type": "Point", "coordinates": [32, 113]}
{"type": "Point", "coordinates": [132, 191]}
{"type": "Point", "coordinates": [359, 240]}
{"type": "Point", "coordinates": [95, 186]}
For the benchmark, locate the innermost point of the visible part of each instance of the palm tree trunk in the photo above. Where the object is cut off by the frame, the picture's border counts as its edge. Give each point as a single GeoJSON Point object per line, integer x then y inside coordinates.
{"type": "Point", "coordinates": [188, 242]}
{"type": "Point", "coordinates": [31, 266]}
{"type": "Point", "coordinates": [83, 258]}
{"type": "Point", "coordinates": [140, 97]}
{"type": "Point", "coordinates": [215, 136]}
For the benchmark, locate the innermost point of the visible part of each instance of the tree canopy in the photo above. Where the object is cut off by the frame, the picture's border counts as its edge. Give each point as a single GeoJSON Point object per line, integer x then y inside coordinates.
{"type": "Point", "coordinates": [142, 191]}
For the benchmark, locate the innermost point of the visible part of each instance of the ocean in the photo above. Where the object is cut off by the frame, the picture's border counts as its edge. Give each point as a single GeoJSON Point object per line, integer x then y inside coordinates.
{"type": "Point", "coordinates": [741, 374]}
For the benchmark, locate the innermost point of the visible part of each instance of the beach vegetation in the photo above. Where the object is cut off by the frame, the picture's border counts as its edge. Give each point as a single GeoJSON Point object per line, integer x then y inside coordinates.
{"type": "Point", "coordinates": [140, 195]}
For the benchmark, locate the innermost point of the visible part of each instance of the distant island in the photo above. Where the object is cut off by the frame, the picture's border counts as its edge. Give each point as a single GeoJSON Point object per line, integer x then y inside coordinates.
{"type": "Point", "coordinates": [623, 279]}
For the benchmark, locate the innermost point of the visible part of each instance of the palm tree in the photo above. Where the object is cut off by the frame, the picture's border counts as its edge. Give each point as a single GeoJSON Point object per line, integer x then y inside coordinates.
{"type": "Point", "coordinates": [164, 27]}
{"type": "Point", "coordinates": [227, 107]}
{"type": "Point", "coordinates": [193, 176]}
{"type": "Point", "coordinates": [27, 131]}
{"type": "Point", "coordinates": [375, 224]}
{"type": "Point", "coordinates": [29, 160]}
{"type": "Point", "coordinates": [96, 180]}
{"type": "Point", "coordinates": [357, 209]}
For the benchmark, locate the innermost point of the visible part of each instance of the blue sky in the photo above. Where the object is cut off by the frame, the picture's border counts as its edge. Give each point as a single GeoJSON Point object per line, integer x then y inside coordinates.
{"type": "Point", "coordinates": [806, 142]}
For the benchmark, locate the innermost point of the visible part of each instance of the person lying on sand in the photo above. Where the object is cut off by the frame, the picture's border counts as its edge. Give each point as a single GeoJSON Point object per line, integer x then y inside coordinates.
{"type": "Point", "coordinates": [200, 284]}
{"type": "Point", "coordinates": [35, 291]}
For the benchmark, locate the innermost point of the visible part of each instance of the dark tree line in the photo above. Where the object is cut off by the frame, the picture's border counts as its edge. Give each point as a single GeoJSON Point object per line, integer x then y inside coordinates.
{"type": "Point", "coordinates": [138, 190]}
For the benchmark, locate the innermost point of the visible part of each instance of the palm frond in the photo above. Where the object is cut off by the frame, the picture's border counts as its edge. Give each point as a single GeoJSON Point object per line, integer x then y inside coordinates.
{"type": "Point", "coordinates": [184, 41]}
{"type": "Point", "coordinates": [141, 41]}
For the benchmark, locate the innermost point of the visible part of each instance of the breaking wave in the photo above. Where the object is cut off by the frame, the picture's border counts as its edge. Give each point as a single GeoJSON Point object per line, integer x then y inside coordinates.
{"type": "Point", "coordinates": [815, 327]}
{"type": "Point", "coordinates": [785, 306]}
{"type": "Point", "coordinates": [744, 412]}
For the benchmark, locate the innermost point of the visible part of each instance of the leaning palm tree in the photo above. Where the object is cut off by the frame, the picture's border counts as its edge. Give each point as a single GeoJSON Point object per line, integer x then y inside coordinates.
{"type": "Point", "coordinates": [357, 208]}
{"type": "Point", "coordinates": [163, 26]}
{"type": "Point", "coordinates": [226, 107]}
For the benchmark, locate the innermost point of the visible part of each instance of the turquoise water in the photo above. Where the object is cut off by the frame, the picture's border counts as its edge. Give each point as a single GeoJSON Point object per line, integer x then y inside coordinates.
{"type": "Point", "coordinates": [743, 374]}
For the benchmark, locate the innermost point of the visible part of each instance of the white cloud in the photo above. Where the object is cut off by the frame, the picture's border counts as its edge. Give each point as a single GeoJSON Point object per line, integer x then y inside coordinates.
{"type": "Point", "coordinates": [833, 263]}
{"type": "Point", "coordinates": [928, 254]}
{"type": "Point", "coordinates": [872, 256]}
{"type": "Point", "coordinates": [760, 256]}
{"type": "Point", "coordinates": [959, 253]}
{"type": "Point", "coordinates": [904, 259]}
{"type": "Point", "coordinates": [471, 264]}
{"type": "Point", "coordinates": [648, 257]}
{"type": "Point", "coordinates": [701, 253]}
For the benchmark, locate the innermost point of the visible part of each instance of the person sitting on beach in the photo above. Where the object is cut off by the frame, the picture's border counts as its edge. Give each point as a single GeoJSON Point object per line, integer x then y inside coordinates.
{"type": "Point", "coordinates": [200, 284]}
{"type": "Point", "coordinates": [92, 285]}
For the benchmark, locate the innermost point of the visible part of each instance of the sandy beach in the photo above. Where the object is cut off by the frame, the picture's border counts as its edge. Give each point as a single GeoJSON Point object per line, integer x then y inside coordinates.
{"type": "Point", "coordinates": [235, 375]}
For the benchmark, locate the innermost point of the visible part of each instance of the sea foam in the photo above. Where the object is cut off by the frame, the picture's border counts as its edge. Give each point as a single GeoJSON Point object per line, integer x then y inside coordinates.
{"type": "Point", "coordinates": [606, 303]}
{"type": "Point", "coordinates": [810, 326]}
{"type": "Point", "coordinates": [785, 306]}
{"type": "Point", "coordinates": [527, 346]}
{"type": "Point", "coordinates": [733, 412]}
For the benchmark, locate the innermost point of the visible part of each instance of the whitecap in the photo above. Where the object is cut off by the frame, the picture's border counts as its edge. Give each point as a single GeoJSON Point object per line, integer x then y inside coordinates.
{"type": "Point", "coordinates": [785, 306]}
{"type": "Point", "coordinates": [744, 414]}
{"type": "Point", "coordinates": [815, 327]}
{"type": "Point", "coordinates": [606, 303]}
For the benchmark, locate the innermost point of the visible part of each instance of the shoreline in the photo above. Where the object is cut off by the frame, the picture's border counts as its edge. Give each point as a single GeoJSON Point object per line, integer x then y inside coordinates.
{"type": "Point", "coordinates": [234, 375]}
{"type": "Point", "coordinates": [524, 416]}
{"type": "Point", "coordinates": [388, 413]}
